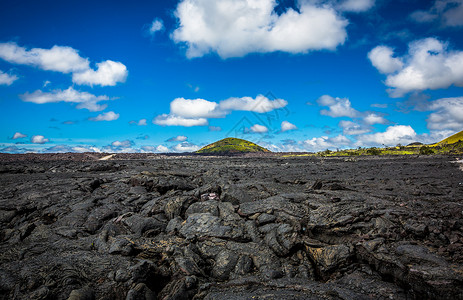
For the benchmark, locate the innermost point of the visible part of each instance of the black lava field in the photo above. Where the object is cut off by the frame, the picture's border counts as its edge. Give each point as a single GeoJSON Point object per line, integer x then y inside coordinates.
{"type": "Point", "coordinates": [246, 227]}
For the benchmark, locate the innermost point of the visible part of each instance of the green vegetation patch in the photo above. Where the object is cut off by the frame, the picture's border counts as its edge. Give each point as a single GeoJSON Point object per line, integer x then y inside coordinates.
{"type": "Point", "coordinates": [457, 137]}
{"type": "Point", "coordinates": [232, 145]}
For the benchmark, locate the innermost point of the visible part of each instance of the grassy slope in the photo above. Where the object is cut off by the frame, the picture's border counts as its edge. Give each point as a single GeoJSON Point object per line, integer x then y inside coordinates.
{"type": "Point", "coordinates": [232, 145]}
{"type": "Point", "coordinates": [452, 139]}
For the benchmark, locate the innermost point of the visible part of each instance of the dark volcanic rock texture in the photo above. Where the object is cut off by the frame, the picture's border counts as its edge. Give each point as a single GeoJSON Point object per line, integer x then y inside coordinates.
{"type": "Point", "coordinates": [232, 228]}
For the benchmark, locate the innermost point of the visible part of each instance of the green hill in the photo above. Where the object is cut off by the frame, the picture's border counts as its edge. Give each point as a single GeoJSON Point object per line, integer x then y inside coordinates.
{"type": "Point", "coordinates": [230, 146]}
{"type": "Point", "coordinates": [452, 139]}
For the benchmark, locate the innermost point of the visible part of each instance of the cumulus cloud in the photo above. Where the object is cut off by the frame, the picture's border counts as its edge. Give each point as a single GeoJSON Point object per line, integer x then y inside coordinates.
{"type": "Point", "coordinates": [84, 100]}
{"type": "Point", "coordinates": [448, 12]}
{"type": "Point", "coordinates": [108, 116]}
{"type": "Point", "coordinates": [185, 147]}
{"type": "Point", "coordinates": [352, 128]}
{"type": "Point", "coordinates": [257, 128]}
{"type": "Point", "coordinates": [286, 126]}
{"type": "Point", "coordinates": [125, 146]}
{"type": "Point", "coordinates": [178, 138]}
{"type": "Point", "coordinates": [356, 5]}
{"type": "Point", "coordinates": [18, 135]}
{"type": "Point", "coordinates": [39, 139]}
{"type": "Point", "coordinates": [108, 73]}
{"type": "Point", "coordinates": [239, 27]}
{"type": "Point", "coordinates": [397, 134]}
{"type": "Point", "coordinates": [172, 120]}
{"type": "Point", "coordinates": [147, 149]}
{"type": "Point", "coordinates": [65, 60]}
{"type": "Point", "coordinates": [381, 58]}
{"type": "Point", "coordinates": [151, 149]}
{"type": "Point", "coordinates": [372, 118]}
{"type": "Point", "coordinates": [342, 107]}
{"type": "Point", "coordinates": [122, 144]}
{"type": "Point", "coordinates": [188, 112]}
{"type": "Point", "coordinates": [428, 65]}
{"type": "Point", "coordinates": [337, 107]}
{"type": "Point", "coordinates": [7, 79]}
{"type": "Point", "coordinates": [82, 149]}
{"type": "Point", "coordinates": [58, 58]}
{"type": "Point", "coordinates": [197, 108]}
{"type": "Point", "coordinates": [447, 115]}
{"type": "Point", "coordinates": [260, 104]}
{"type": "Point", "coordinates": [162, 149]}
{"type": "Point", "coordinates": [322, 143]}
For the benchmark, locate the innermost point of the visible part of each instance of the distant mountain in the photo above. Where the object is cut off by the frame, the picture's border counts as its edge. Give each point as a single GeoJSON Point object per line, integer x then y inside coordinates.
{"type": "Point", "coordinates": [230, 146]}
{"type": "Point", "coordinates": [452, 139]}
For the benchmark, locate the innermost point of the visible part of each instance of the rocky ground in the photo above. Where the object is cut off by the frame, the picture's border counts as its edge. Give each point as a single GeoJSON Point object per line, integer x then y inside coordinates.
{"type": "Point", "coordinates": [157, 227]}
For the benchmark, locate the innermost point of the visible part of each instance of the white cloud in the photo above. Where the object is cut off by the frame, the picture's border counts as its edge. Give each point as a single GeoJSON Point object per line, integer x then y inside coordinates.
{"type": "Point", "coordinates": [162, 149]}
{"type": "Point", "coordinates": [85, 100]}
{"type": "Point", "coordinates": [260, 104]}
{"type": "Point", "coordinates": [322, 143]}
{"type": "Point", "coordinates": [65, 60]}
{"type": "Point", "coordinates": [448, 12]}
{"type": "Point", "coordinates": [156, 25]}
{"type": "Point", "coordinates": [108, 116]}
{"type": "Point", "coordinates": [7, 79]}
{"type": "Point", "coordinates": [108, 73]}
{"type": "Point", "coordinates": [18, 135]}
{"type": "Point", "coordinates": [356, 5]}
{"type": "Point", "coordinates": [372, 118]}
{"type": "Point", "coordinates": [234, 28]}
{"type": "Point", "coordinates": [447, 115]}
{"type": "Point", "coordinates": [257, 128]}
{"type": "Point", "coordinates": [428, 65]}
{"type": "Point", "coordinates": [186, 147]}
{"type": "Point", "coordinates": [381, 58]}
{"type": "Point", "coordinates": [197, 108]}
{"type": "Point", "coordinates": [123, 144]}
{"type": "Point", "coordinates": [286, 126]}
{"type": "Point", "coordinates": [397, 134]}
{"type": "Point", "coordinates": [172, 120]}
{"type": "Point", "coordinates": [179, 138]}
{"type": "Point", "coordinates": [337, 107]}
{"type": "Point", "coordinates": [151, 149]}
{"type": "Point", "coordinates": [352, 128]}
{"type": "Point", "coordinates": [39, 139]}
{"type": "Point", "coordinates": [82, 149]}
{"type": "Point", "coordinates": [187, 112]}
{"type": "Point", "coordinates": [147, 149]}
{"type": "Point", "coordinates": [58, 58]}
{"type": "Point", "coordinates": [341, 107]}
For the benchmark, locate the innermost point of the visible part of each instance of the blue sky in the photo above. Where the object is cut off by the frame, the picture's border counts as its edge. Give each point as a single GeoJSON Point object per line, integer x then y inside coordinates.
{"type": "Point", "coordinates": [172, 76]}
